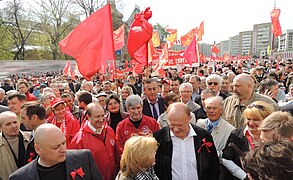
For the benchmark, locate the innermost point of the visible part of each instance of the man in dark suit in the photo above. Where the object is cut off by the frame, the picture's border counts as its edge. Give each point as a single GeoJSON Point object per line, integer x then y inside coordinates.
{"type": "Point", "coordinates": [54, 161]}
{"type": "Point", "coordinates": [195, 81]}
{"type": "Point", "coordinates": [185, 150]}
{"type": "Point", "coordinates": [153, 106]}
{"type": "Point", "coordinates": [32, 115]}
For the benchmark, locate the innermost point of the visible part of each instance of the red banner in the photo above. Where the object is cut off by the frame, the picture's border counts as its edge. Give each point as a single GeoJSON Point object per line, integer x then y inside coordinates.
{"type": "Point", "coordinates": [174, 57]}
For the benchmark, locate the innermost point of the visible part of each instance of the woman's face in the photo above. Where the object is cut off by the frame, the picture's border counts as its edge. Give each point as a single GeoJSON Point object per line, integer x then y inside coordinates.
{"type": "Point", "coordinates": [113, 106]}
{"type": "Point", "coordinates": [124, 94]}
{"type": "Point", "coordinates": [60, 111]}
{"type": "Point", "coordinates": [252, 123]}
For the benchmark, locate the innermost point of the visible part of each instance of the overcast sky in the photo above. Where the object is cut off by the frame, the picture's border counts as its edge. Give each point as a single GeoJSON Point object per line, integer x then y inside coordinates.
{"type": "Point", "coordinates": [222, 18]}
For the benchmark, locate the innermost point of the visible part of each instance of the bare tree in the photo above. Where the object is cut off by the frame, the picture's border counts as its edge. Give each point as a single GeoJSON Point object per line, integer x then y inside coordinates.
{"type": "Point", "coordinates": [57, 19]}
{"type": "Point", "coordinates": [18, 28]}
{"type": "Point", "coordinates": [88, 7]}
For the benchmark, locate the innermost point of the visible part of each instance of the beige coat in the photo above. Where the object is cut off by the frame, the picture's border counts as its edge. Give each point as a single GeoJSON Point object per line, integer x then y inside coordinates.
{"type": "Point", "coordinates": [220, 133]}
{"type": "Point", "coordinates": [7, 163]}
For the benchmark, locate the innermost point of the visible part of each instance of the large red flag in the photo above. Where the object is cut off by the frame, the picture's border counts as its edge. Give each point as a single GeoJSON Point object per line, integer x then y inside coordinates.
{"type": "Point", "coordinates": [191, 53]}
{"type": "Point", "coordinates": [67, 69]}
{"type": "Point", "coordinates": [118, 36]}
{"type": "Point", "coordinates": [139, 34]}
{"type": "Point", "coordinates": [187, 38]}
{"type": "Point", "coordinates": [276, 27]}
{"type": "Point", "coordinates": [91, 42]}
{"type": "Point", "coordinates": [200, 32]}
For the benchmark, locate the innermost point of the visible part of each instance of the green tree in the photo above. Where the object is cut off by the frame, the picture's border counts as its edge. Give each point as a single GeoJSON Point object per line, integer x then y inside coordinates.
{"type": "Point", "coordinates": [162, 32]}
{"type": "Point", "coordinates": [17, 27]}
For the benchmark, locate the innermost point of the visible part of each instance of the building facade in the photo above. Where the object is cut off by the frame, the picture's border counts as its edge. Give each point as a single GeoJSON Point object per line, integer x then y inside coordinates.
{"type": "Point", "coordinates": [245, 43]}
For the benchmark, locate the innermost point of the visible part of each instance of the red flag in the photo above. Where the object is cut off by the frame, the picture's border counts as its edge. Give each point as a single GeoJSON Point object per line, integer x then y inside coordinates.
{"type": "Point", "coordinates": [91, 42]}
{"type": "Point", "coordinates": [191, 53]}
{"type": "Point", "coordinates": [200, 32]}
{"type": "Point", "coordinates": [163, 59]}
{"type": "Point", "coordinates": [126, 64]}
{"type": "Point", "coordinates": [139, 34]}
{"type": "Point", "coordinates": [137, 69]}
{"type": "Point", "coordinates": [67, 69]}
{"type": "Point", "coordinates": [276, 27]}
{"type": "Point", "coordinates": [215, 49]}
{"type": "Point", "coordinates": [187, 38]}
{"type": "Point", "coordinates": [118, 36]}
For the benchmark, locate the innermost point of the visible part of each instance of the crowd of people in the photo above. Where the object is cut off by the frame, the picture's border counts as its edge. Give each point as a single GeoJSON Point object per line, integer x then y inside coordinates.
{"type": "Point", "coordinates": [217, 121]}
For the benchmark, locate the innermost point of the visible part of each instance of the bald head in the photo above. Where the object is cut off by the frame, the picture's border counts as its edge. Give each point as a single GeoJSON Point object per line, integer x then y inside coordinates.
{"type": "Point", "coordinates": [178, 107]}
{"type": "Point", "coordinates": [179, 119]}
{"type": "Point", "coordinates": [244, 78]}
{"type": "Point", "coordinates": [50, 144]}
{"type": "Point", "coordinates": [9, 124]}
{"type": "Point", "coordinates": [5, 116]}
{"type": "Point", "coordinates": [46, 132]}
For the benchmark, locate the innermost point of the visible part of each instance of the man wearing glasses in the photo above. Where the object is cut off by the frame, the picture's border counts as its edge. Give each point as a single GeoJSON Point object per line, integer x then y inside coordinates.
{"type": "Point", "coordinates": [214, 83]}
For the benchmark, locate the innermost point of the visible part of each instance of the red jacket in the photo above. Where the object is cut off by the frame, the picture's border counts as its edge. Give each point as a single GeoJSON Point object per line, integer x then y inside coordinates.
{"type": "Point", "coordinates": [102, 147]}
{"type": "Point", "coordinates": [71, 124]}
{"type": "Point", "coordinates": [30, 97]}
{"type": "Point", "coordinates": [125, 129]}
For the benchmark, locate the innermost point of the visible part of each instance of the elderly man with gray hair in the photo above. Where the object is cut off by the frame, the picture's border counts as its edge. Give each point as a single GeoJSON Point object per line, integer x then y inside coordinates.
{"type": "Point", "coordinates": [135, 124]}
{"type": "Point", "coordinates": [13, 144]}
{"type": "Point", "coordinates": [215, 124]}
{"type": "Point", "coordinates": [214, 83]}
{"type": "Point", "coordinates": [185, 90]}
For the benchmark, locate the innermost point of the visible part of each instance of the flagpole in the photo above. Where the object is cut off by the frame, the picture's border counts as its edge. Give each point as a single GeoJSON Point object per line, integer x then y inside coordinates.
{"type": "Point", "coordinates": [114, 55]}
{"type": "Point", "coordinates": [147, 55]}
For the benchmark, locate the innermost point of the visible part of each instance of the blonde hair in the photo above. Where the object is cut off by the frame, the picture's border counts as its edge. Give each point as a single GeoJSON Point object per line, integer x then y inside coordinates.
{"type": "Point", "coordinates": [259, 109]}
{"type": "Point", "coordinates": [138, 154]}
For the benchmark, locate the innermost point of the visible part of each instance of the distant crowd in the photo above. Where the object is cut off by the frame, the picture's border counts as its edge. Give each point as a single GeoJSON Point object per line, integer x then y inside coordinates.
{"type": "Point", "coordinates": [221, 120]}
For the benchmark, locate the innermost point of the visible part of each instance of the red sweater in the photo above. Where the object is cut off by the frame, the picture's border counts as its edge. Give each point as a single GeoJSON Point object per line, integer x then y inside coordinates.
{"type": "Point", "coordinates": [125, 129]}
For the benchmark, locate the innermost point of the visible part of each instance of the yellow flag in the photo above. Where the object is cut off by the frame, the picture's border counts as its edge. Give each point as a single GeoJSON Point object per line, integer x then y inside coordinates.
{"type": "Point", "coordinates": [156, 39]}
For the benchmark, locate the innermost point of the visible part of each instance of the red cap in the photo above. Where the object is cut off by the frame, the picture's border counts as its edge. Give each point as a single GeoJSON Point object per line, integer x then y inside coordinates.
{"type": "Point", "coordinates": [56, 101]}
{"type": "Point", "coordinates": [165, 81]}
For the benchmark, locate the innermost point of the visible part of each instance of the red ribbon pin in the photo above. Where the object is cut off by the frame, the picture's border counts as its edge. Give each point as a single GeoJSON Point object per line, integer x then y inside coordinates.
{"type": "Point", "coordinates": [207, 144]}
{"type": "Point", "coordinates": [79, 171]}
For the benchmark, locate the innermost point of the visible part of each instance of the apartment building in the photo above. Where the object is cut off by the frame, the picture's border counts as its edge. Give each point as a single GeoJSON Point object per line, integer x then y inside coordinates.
{"type": "Point", "coordinates": [245, 43]}
{"type": "Point", "coordinates": [262, 38]}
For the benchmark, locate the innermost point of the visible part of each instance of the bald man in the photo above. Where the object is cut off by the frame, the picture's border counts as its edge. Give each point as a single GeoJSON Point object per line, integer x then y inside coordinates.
{"type": "Point", "coordinates": [185, 151]}
{"type": "Point", "coordinates": [12, 144]}
{"type": "Point", "coordinates": [55, 161]}
{"type": "Point", "coordinates": [233, 106]}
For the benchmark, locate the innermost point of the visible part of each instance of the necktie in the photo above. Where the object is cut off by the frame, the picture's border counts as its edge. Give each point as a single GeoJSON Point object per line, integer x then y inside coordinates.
{"type": "Point", "coordinates": [210, 127]}
{"type": "Point", "coordinates": [155, 114]}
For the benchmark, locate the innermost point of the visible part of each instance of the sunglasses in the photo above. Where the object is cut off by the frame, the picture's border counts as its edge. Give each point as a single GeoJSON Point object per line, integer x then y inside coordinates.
{"type": "Point", "coordinates": [215, 83]}
{"type": "Point", "coordinates": [260, 107]}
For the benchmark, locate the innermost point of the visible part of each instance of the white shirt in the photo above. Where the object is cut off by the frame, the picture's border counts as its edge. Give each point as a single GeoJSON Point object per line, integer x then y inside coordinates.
{"type": "Point", "coordinates": [94, 129]}
{"type": "Point", "coordinates": [184, 165]}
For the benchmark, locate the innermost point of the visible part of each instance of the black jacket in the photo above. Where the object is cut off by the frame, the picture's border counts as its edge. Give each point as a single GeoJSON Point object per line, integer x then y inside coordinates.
{"type": "Point", "coordinates": [208, 165]}
{"type": "Point", "coordinates": [147, 110]}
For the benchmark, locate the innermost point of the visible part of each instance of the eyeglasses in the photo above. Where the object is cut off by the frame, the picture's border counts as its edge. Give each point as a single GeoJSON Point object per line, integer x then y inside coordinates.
{"type": "Point", "coordinates": [215, 83]}
{"type": "Point", "coordinates": [257, 106]}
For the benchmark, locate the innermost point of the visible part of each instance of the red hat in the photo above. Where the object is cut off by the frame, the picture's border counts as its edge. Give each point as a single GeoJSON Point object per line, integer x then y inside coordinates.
{"type": "Point", "coordinates": [165, 81]}
{"type": "Point", "coordinates": [56, 101]}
